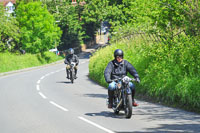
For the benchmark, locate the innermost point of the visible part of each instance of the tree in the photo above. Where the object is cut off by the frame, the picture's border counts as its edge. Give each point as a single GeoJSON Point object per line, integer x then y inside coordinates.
{"type": "Point", "coordinates": [93, 14]}
{"type": "Point", "coordinates": [173, 16]}
{"type": "Point", "coordinates": [39, 31]}
{"type": "Point", "coordinates": [68, 20]}
{"type": "Point", "coordinates": [9, 31]}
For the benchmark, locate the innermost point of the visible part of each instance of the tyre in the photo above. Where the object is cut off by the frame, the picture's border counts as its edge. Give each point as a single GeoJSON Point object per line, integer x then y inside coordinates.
{"type": "Point", "coordinates": [116, 112]}
{"type": "Point", "coordinates": [128, 106]}
{"type": "Point", "coordinates": [72, 76]}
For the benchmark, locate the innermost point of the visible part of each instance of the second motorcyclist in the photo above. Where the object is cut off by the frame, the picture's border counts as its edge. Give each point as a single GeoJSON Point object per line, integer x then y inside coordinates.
{"type": "Point", "coordinates": [71, 57]}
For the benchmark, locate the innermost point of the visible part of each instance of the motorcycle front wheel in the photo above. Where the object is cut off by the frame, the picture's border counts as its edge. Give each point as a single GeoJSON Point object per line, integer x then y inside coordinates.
{"type": "Point", "coordinates": [116, 112]}
{"type": "Point", "coordinates": [72, 76]}
{"type": "Point", "coordinates": [128, 107]}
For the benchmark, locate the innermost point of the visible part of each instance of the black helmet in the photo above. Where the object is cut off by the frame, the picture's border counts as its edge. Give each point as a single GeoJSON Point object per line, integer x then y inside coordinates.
{"type": "Point", "coordinates": [118, 52]}
{"type": "Point", "coordinates": [71, 51]}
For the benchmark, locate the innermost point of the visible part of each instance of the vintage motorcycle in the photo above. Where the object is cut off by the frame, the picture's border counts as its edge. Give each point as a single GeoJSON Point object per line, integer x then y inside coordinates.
{"type": "Point", "coordinates": [122, 99]}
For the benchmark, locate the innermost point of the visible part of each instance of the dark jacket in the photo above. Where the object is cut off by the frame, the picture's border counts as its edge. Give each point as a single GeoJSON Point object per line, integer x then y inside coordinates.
{"type": "Point", "coordinates": [116, 70]}
{"type": "Point", "coordinates": [71, 58]}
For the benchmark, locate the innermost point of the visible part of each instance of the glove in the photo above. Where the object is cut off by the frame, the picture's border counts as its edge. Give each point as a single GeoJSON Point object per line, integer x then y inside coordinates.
{"type": "Point", "coordinates": [137, 80]}
{"type": "Point", "coordinates": [68, 66]}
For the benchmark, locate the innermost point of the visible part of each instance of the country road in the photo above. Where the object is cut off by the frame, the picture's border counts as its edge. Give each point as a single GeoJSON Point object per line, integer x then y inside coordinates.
{"type": "Point", "coordinates": [43, 101]}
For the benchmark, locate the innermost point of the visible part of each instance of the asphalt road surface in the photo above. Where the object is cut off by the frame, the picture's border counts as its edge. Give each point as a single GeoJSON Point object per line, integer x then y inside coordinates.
{"type": "Point", "coordinates": [43, 101]}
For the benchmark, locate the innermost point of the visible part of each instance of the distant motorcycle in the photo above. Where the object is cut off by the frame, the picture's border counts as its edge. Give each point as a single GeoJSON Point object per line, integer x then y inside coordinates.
{"type": "Point", "coordinates": [72, 72]}
{"type": "Point", "coordinates": [122, 99]}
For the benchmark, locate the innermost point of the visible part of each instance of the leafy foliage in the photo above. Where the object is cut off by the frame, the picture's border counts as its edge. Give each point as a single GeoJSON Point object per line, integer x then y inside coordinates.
{"type": "Point", "coordinates": [9, 31]}
{"type": "Point", "coordinates": [37, 26]}
{"type": "Point", "coordinates": [92, 15]}
{"type": "Point", "coordinates": [171, 17]}
{"type": "Point", "coordinates": [169, 70]}
{"type": "Point", "coordinates": [67, 17]}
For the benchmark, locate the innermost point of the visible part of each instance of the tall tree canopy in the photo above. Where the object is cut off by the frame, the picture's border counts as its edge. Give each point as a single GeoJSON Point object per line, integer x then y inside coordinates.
{"type": "Point", "coordinates": [38, 28]}
{"type": "Point", "coordinates": [9, 31]}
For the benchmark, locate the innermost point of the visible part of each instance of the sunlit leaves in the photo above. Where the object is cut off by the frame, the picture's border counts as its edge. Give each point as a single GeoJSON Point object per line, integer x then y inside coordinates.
{"type": "Point", "coordinates": [9, 31]}
{"type": "Point", "coordinates": [39, 31]}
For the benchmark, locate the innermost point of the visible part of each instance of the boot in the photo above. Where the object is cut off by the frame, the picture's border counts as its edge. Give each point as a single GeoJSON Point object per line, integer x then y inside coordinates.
{"type": "Point", "coordinates": [110, 98]}
{"type": "Point", "coordinates": [75, 74]}
{"type": "Point", "coordinates": [67, 74]}
{"type": "Point", "coordinates": [133, 95]}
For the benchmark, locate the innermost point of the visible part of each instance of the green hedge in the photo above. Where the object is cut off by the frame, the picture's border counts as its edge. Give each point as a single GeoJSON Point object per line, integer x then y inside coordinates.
{"type": "Point", "coordinates": [169, 73]}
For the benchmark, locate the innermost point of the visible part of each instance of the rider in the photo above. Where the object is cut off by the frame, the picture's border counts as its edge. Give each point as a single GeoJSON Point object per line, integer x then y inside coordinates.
{"type": "Point", "coordinates": [118, 68]}
{"type": "Point", "coordinates": [71, 57]}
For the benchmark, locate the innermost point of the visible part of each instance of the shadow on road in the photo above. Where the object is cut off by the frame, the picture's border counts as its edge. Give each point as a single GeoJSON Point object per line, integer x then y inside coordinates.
{"type": "Point", "coordinates": [64, 82]}
{"type": "Point", "coordinates": [93, 82]}
{"type": "Point", "coordinates": [159, 112]}
{"type": "Point", "coordinates": [170, 128]}
{"type": "Point", "coordinates": [108, 114]}
{"type": "Point", "coordinates": [96, 95]}
{"type": "Point", "coordinates": [84, 55]}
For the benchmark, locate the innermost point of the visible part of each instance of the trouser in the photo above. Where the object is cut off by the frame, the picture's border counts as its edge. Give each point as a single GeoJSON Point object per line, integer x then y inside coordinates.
{"type": "Point", "coordinates": [112, 87]}
{"type": "Point", "coordinates": [67, 70]}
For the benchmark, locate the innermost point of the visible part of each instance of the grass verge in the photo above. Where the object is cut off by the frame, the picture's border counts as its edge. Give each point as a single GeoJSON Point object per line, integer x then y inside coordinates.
{"type": "Point", "coordinates": [15, 61]}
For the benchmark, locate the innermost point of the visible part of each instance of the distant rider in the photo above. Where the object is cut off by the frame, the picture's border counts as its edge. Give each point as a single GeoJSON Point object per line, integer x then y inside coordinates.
{"type": "Point", "coordinates": [71, 57]}
{"type": "Point", "coordinates": [118, 68]}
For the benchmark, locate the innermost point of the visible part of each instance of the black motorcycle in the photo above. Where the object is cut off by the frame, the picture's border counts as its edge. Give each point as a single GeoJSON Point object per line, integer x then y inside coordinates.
{"type": "Point", "coordinates": [122, 99]}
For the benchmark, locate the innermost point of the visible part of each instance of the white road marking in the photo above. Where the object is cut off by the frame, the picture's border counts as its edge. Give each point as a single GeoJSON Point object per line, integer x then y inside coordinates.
{"type": "Point", "coordinates": [96, 125]}
{"type": "Point", "coordinates": [42, 95]}
{"type": "Point", "coordinates": [38, 81]}
{"type": "Point", "coordinates": [38, 87]}
{"type": "Point", "coordinates": [42, 77]}
{"type": "Point", "coordinates": [47, 74]}
{"type": "Point", "coordinates": [60, 107]}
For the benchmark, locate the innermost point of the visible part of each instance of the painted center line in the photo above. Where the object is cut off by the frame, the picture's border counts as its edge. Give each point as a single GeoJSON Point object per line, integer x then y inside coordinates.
{"type": "Point", "coordinates": [58, 106]}
{"type": "Point", "coordinates": [96, 125]}
{"type": "Point", "coordinates": [42, 95]}
{"type": "Point", "coordinates": [38, 81]}
{"type": "Point", "coordinates": [38, 87]}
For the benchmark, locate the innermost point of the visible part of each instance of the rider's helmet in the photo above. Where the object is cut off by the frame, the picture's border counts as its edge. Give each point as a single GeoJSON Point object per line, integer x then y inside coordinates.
{"type": "Point", "coordinates": [71, 51]}
{"type": "Point", "coordinates": [118, 52]}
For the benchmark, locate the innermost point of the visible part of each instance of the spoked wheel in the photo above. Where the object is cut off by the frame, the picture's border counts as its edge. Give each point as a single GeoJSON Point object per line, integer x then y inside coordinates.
{"type": "Point", "coordinates": [128, 107]}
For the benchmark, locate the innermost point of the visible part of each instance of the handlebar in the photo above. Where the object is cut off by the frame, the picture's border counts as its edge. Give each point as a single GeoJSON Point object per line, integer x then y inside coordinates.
{"type": "Point", "coordinates": [125, 78]}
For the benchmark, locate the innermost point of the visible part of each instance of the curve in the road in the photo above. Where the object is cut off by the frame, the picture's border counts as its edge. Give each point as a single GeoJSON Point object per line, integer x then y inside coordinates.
{"type": "Point", "coordinates": [63, 108]}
